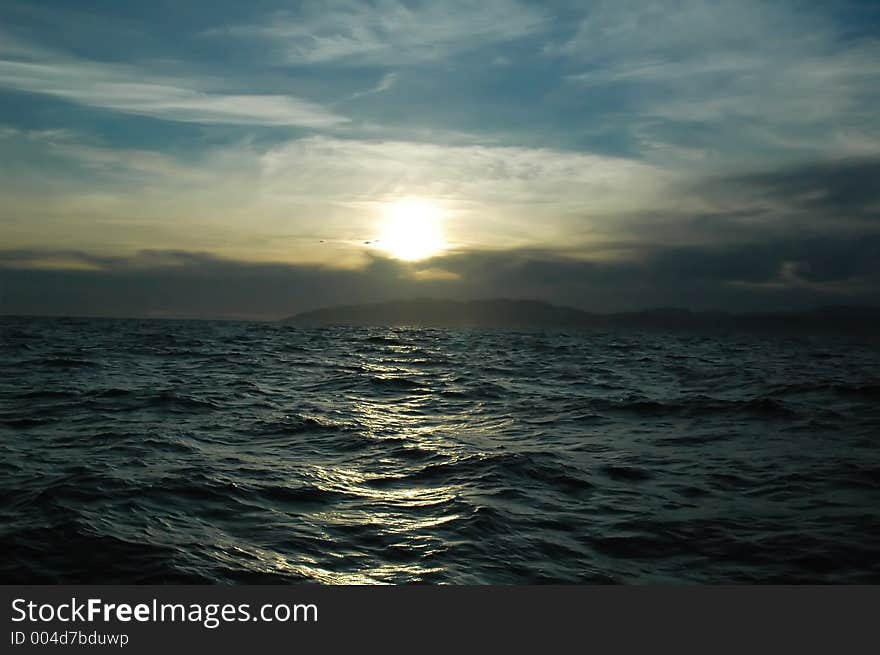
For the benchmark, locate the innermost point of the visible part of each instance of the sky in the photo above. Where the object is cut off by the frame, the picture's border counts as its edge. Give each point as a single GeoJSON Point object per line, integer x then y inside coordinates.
{"type": "Point", "coordinates": [255, 159]}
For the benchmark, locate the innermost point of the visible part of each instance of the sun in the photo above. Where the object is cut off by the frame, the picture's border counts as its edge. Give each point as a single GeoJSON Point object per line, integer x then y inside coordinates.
{"type": "Point", "coordinates": [411, 229]}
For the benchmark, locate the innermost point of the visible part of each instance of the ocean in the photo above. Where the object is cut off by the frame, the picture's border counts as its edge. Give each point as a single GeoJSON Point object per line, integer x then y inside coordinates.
{"type": "Point", "coordinates": [158, 451]}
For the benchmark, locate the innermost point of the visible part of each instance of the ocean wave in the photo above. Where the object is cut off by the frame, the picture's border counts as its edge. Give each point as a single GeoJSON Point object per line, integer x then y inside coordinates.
{"type": "Point", "coordinates": [177, 452]}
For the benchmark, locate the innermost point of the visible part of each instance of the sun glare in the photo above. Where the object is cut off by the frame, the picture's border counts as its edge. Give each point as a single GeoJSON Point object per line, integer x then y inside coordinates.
{"type": "Point", "coordinates": [411, 229]}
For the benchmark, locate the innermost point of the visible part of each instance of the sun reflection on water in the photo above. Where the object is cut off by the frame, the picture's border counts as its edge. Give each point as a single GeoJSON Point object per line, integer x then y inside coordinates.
{"type": "Point", "coordinates": [386, 499]}
{"type": "Point", "coordinates": [371, 486]}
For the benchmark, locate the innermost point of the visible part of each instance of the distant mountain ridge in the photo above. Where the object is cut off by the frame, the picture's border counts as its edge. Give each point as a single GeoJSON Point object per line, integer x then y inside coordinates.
{"type": "Point", "coordinates": [505, 312]}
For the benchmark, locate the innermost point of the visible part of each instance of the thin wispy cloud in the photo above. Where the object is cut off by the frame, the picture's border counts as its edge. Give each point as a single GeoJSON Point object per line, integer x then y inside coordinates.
{"type": "Point", "coordinates": [358, 33]}
{"type": "Point", "coordinates": [131, 90]}
{"type": "Point", "coordinates": [785, 80]}
{"type": "Point", "coordinates": [387, 81]}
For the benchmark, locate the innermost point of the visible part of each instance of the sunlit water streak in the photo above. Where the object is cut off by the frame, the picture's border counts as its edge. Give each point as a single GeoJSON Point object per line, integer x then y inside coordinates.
{"type": "Point", "coordinates": [160, 451]}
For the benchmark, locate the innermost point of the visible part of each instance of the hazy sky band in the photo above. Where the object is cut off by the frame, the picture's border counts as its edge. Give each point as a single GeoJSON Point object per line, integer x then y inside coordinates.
{"type": "Point", "coordinates": [715, 152]}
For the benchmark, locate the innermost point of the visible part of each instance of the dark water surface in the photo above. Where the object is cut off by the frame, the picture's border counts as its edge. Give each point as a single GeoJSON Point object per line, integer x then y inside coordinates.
{"type": "Point", "coordinates": [163, 451]}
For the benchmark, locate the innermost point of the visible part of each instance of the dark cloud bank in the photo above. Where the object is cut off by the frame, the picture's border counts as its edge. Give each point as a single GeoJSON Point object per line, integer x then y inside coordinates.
{"type": "Point", "coordinates": [794, 274]}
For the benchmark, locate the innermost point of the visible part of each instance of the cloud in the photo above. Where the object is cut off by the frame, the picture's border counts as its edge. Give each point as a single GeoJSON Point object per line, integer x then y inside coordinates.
{"type": "Point", "coordinates": [492, 196]}
{"type": "Point", "coordinates": [837, 189]}
{"type": "Point", "coordinates": [282, 197]}
{"type": "Point", "coordinates": [835, 197]}
{"type": "Point", "coordinates": [117, 162]}
{"type": "Point", "coordinates": [508, 177]}
{"type": "Point", "coordinates": [177, 283]}
{"type": "Point", "coordinates": [388, 80]}
{"type": "Point", "coordinates": [762, 275]}
{"type": "Point", "coordinates": [132, 90]}
{"type": "Point", "coordinates": [389, 31]}
{"type": "Point", "coordinates": [276, 201]}
{"type": "Point", "coordinates": [736, 78]}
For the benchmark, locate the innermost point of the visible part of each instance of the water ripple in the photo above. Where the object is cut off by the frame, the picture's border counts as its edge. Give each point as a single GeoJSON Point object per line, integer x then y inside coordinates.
{"type": "Point", "coordinates": [202, 452]}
